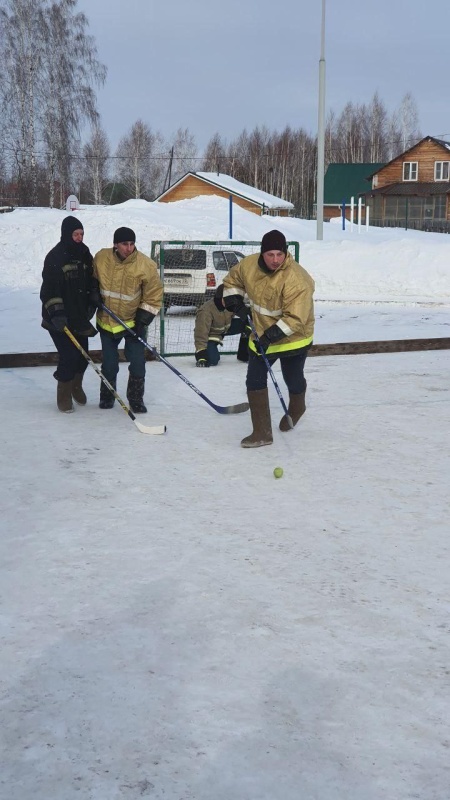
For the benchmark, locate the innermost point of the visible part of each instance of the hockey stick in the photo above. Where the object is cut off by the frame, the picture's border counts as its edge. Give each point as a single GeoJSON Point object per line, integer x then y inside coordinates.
{"type": "Point", "coordinates": [154, 430]}
{"type": "Point", "coordinates": [270, 371]}
{"type": "Point", "coordinates": [234, 409]}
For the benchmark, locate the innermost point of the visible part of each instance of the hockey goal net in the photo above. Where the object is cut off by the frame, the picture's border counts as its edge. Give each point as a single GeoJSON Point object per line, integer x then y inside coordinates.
{"type": "Point", "coordinates": [190, 272]}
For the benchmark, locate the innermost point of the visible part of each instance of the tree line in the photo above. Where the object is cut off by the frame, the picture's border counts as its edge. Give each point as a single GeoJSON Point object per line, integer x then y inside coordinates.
{"type": "Point", "coordinates": [48, 96]}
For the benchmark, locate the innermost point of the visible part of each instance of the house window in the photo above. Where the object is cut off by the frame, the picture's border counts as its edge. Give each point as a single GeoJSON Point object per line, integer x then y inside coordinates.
{"type": "Point", "coordinates": [441, 170]}
{"type": "Point", "coordinates": [410, 170]}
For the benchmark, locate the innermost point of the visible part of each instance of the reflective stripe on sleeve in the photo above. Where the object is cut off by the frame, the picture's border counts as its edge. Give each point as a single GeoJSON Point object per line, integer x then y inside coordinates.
{"type": "Point", "coordinates": [234, 290]}
{"type": "Point", "coordinates": [283, 326]}
{"type": "Point", "coordinates": [153, 309]}
{"type": "Point", "coordinates": [119, 296]}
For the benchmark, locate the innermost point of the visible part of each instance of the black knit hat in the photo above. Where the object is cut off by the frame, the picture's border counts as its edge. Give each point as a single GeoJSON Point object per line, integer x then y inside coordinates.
{"type": "Point", "coordinates": [274, 240]}
{"type": "Point", "coordinates": [68, 226]}
{"type": "Point", "coordinates": [124, 235]}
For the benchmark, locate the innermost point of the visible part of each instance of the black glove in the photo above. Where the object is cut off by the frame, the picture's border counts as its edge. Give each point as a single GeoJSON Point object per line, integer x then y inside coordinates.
{"type": "Point", "coordinates": [140, 330]}
{"type": "Point", "coordinates": [95, 299]}
{"type": "Point", "coordinates": [270, 336]}
{"type": "Point", "coordinates": [236, 304]}
{"type": "Point", "coordinates": [264, 342]}
{"type": "Point", "coordinates": [201, 358]}
{"type": "Point", "coordinates": [242, 313]}
{"type": "Point", "coordinates": [59, 321]}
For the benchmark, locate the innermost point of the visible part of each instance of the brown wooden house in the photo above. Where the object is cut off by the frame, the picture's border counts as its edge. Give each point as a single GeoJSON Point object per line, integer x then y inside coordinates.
{"type": "Point", "coordinates": [413, 190]}
{"type": "Point", "coordinates": [195, 184]}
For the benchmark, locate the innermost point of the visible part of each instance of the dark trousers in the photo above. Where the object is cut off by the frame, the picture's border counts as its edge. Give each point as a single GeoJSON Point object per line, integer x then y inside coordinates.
{"type": "Point", "coordinates": [71, 361]}
{"type": "Point", "coordinates": [134, 353]}
{"type": "Point", "coordinates": [291, 367]}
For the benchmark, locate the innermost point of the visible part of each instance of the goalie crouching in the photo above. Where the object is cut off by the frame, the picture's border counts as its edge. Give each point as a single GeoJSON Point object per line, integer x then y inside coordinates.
{"type": "Point", "coordinates": [212, 323]}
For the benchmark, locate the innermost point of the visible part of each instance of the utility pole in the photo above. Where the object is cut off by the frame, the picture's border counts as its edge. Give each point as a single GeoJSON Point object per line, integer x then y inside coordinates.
{"type": "Point", "coordinates": [321, 132]}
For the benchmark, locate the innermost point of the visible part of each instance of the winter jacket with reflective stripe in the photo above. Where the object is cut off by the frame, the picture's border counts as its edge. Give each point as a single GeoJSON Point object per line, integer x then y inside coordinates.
{"type": "Point", "coordinates": [126, 286]}
{"type": "Point", "coordinates": [283, 298]}
{"type": "Point", "coordinates": [211, 325]}
{"type": "Point", "coordinates": [67, 281]}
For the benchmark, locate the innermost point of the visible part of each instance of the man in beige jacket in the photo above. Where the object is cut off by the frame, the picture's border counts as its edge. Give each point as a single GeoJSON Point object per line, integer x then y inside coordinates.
{"type": "Point", "coordinates": [212, 323]}
{"type": "Point", "coordinates": [280, 293]}
{"type": "Point", "coordinates": [130, 286]}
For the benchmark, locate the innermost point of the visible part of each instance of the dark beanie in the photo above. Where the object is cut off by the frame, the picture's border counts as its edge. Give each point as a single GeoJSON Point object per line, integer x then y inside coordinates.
{"type": "Point", "coordinates": [124, 235]}
{"type": "Point", "coordinates": [68, 226]}
{"type": "Point", "coordinates": [274, 240]}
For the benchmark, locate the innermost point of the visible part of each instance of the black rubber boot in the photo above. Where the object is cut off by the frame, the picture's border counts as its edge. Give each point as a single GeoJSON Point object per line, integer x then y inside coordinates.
{"type": "Point", "coordinates": [107, 399]}
{"type": "Point", "coordinates": [262, 425]}
{"type": "Point", "coordinates": [78, 393]}
{"type": "Point", "coordinates": [135, 394]}
{"type": "Point", "coordinates": [296, 409]}
{"type": "Point", "coordinates": [64, 396]}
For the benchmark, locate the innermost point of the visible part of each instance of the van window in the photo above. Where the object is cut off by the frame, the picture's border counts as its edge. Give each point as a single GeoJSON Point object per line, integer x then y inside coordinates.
{"type": "Point", "coordinates": [218, 260]}
{"type": "Point", "coordinates": [233, 258]}
{"type": "Point", "coordinates": [225, 259]}
{"type": "Point", "coordinates": [185, 259]}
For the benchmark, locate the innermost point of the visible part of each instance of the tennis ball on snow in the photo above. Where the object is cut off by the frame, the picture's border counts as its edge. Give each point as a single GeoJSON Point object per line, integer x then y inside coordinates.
{"type": "Point", "coordinates": [278, 472]}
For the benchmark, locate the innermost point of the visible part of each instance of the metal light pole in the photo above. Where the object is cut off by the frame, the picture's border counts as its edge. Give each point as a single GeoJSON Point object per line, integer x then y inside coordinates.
{"type": "Point", "coordinates": [321, 131]}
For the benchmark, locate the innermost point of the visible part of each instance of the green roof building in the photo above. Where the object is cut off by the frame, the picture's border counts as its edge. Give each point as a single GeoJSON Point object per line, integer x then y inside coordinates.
{"type": "Point", "coordinates": [344, 181]}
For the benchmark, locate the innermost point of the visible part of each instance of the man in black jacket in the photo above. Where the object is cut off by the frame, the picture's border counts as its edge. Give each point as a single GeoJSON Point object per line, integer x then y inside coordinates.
{"type": "Point", "coordinates": [69, 295]}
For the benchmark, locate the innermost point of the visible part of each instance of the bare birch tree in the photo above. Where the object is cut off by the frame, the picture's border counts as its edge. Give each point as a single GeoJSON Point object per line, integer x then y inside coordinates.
{"type": "Point", "coordinates": [50, 70]}
{"type": "Point", "coordinates": [96, 164]}
{"type": "Point", "coordinates": [140, 167]}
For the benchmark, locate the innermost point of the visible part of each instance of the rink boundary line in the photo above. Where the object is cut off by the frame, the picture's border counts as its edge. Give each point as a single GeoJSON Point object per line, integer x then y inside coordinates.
{"type": "Point", "coordinates": [12, 360]}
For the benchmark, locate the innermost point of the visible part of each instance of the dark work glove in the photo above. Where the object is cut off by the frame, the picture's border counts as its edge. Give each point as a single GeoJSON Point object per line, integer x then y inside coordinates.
{"type": "Point", "coordinates": [140, 330]}
{"type": "Point", "coordinates": [264, 342]}
{"type": "Point", "coordinates": [59, 321]}
{"type": "Point", "coordinates": [270, 336]}
{"type": "Point", "coordinates": [95, 298]}
{"type": "Point", "coordinates": [242, 313]}
{"type": "Point", "coordinates": [236, 304]}
{"type": "Point", "coordinates": [144, 318]}
{"type": "Point", "coordinates": [202, 358]}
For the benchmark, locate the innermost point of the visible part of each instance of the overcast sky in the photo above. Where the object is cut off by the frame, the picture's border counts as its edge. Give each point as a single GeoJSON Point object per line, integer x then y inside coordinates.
{"type": "Point", "coordinates": [217, 66]}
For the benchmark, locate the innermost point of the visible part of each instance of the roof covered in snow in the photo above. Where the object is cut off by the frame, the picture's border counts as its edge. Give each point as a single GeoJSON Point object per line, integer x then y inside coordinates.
{"type": "Point", "coordinates": [229, 184]}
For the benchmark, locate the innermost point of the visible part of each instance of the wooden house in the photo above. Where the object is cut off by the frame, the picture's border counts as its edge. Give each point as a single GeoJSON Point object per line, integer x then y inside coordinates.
{"type": "Point", "coordinates": [196, 184]}
{"type": "Point", "coordinates": [413, 190]}
{"type": "Point", "coordinates": [341, 183]}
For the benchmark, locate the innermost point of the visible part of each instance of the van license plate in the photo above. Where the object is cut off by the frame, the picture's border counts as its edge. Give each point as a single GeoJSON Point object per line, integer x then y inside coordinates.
{"type": "Point", "coordinates": [171, 281]}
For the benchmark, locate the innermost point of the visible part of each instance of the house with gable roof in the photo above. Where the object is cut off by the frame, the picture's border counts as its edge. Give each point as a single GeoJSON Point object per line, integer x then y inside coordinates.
{"type": "Point", "coordinates": [195, 184]}
{"type": "Point", "coordinates": [413, 190]}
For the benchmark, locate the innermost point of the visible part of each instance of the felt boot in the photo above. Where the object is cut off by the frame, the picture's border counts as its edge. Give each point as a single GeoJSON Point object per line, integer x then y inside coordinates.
{"type": "Point", "coordinates": [296, 409]}
{"type": "Point", "coordinates": [262, 425]}
{"type": "Point", "coordinates": [64, 396]}
{"type": "Point", "coordinates": [78, 393]}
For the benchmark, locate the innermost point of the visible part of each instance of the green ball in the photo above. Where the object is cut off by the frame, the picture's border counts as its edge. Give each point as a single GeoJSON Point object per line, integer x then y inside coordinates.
{"type": "Point", "coordinates": [278, 472]}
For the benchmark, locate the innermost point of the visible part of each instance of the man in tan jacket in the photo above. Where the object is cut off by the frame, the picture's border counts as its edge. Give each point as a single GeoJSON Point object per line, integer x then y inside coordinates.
{"type": "Point", "coordinates": [280, 292]}
{"type": "Point", "coordinates": [130, 286]}
{"type": "Point", "coordinates": [212, 323]}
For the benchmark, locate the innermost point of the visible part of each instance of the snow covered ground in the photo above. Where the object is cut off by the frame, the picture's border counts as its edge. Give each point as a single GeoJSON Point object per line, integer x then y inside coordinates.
{"type": "Point", "coordinates": [176, 623]}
